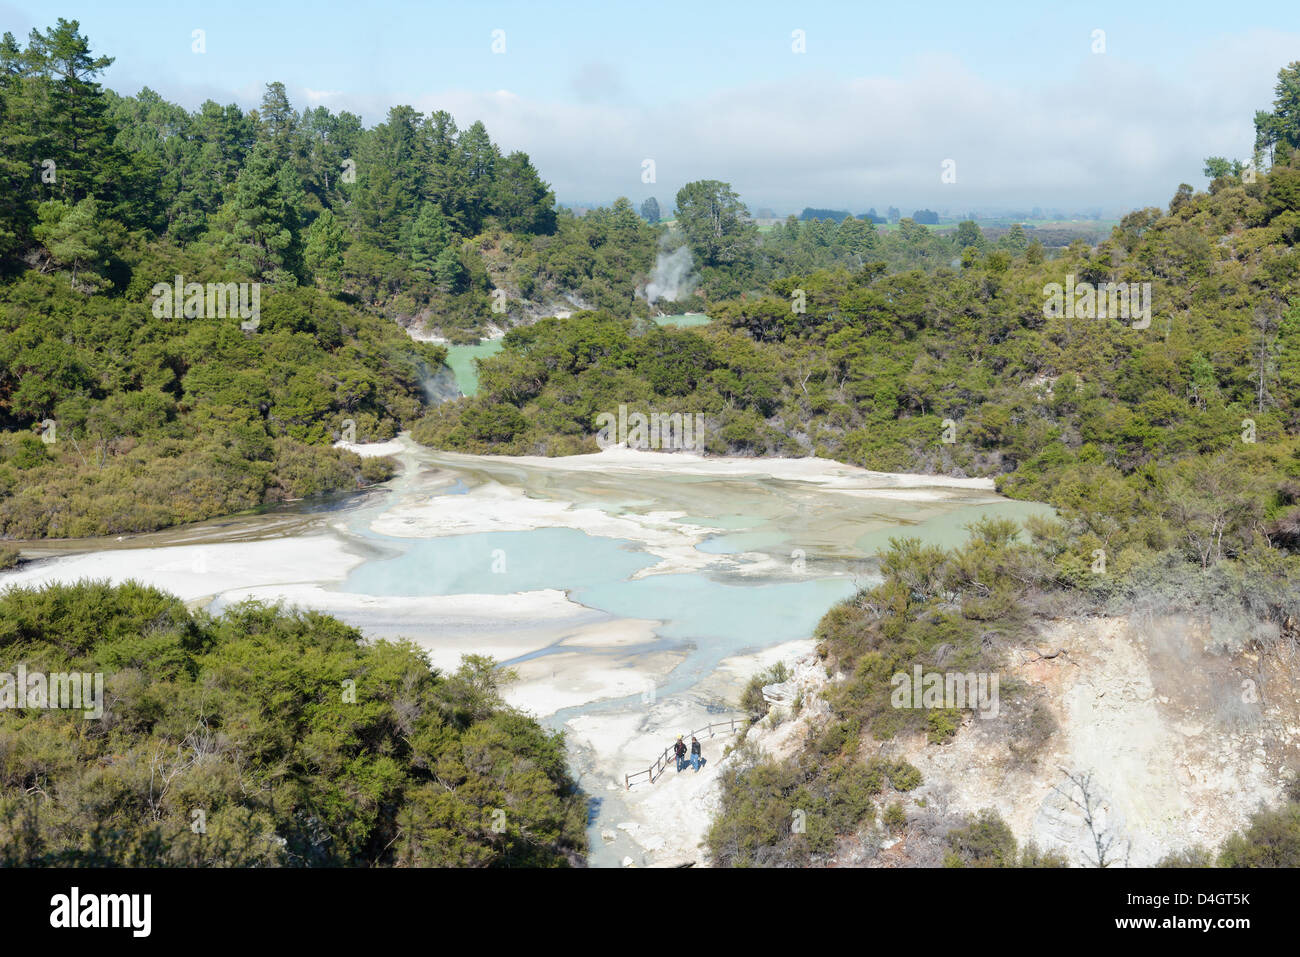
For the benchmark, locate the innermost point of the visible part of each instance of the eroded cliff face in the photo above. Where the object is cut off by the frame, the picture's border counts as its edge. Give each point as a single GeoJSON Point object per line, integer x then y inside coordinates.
{"type": "Point", "coordinates": [1117, 739]}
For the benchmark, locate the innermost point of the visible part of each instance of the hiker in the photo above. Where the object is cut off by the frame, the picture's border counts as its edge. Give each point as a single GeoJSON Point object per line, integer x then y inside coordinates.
{"type": "Point", "coordinates": [696, 758]}
{"type": "Point", "coordinates": [679, 749]}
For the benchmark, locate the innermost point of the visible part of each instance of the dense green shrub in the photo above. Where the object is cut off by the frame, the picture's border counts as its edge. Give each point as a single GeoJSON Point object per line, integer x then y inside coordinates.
{"type": "Point", "coordinates": [1271, 840]}
{"type": "Point", "coordinates": [294, 742]}
{"type": "Point", "coordinates": [985, 840]}
{"type": "Point", "coordinates": [793, 812]}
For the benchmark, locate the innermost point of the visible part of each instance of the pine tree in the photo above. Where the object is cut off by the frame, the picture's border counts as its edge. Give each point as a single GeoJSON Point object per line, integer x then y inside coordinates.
{"type": "Point", "coordinates": [448, 270]}
{"type": "Point", "coordinates": [716, 222]}
{"type": "Point", "coordinates": [16, 166]}
{"type": "Point", "coordinates": [390, 175]}
{"type": "Point", "coordinates": [277, 122]}
{"type": "Point", "coordinates": [523, 203]}
{"type": "Point", "coordinates": [264, 218]}
{"type": "Point", "coordinates": [479, 157]}
{"type": "Point", "coordinates": [444, 180]}
{"type": "Point", "coordinates": [75, 130]}
{"type": "Point", "coordinates": [74, 238]}
{"type": "Point", "coordinates": [323, 250]}
{"type": "Point", "coordinates": [428, 237]}
{"type": "Point", "coordinates": [858, 236]}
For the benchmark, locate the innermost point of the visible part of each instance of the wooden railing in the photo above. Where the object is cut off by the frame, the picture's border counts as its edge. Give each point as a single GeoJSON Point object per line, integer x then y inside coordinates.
{"type": "Point", "coordinates": [660, 764]}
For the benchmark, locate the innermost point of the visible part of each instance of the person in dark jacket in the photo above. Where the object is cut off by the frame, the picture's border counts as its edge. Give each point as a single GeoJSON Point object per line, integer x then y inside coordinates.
{"type": "Point", "coordinates": [679, 750]}
{"type": "Point", "coordinates": [696, 758]}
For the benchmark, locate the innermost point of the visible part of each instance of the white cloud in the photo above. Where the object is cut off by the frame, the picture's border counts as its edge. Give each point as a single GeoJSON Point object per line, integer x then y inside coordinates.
{"type": "Point", "coordinates": [317, 96]}
{"type": "Point", "coordinates": [1110, 132]}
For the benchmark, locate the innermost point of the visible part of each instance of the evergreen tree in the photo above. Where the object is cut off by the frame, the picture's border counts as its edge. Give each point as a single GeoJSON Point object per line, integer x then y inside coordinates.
{"type": "Point", "coordinates": [75, 238]}
{"type": "Point", "coordinates": [523, 204]}
{"type": "Point", "coordinates": [277, 123]}
{"type": "Point", "coordinates": [479, 158]}
{"type": "Point", "coordinates": [969, 234]}
{"type": "Point", "coordinates": [264, 219]}
{"type": "Point", "coordinates": [857, 236]}
{"type": "Point", "coordinates": [330, 141]}
{"type": "Point", "coordinates": [323, 250]}
{"type": "Point", "coordinates": [390, 173]}
{"type": "Point", "coordinates": [1277, 133]}
{"type": "Point", "coordinates": [448, 270]}
{"type": "Point", "coordinates": [716, 222]}
{"type": "Point", "coordinates": [429, 236]}
{"type": "Point", "coordinates": [444, 179]}
{"type": "Point", "coordinates": [17, 171]}
{"type": "Point", "coordinates": [74, 129]}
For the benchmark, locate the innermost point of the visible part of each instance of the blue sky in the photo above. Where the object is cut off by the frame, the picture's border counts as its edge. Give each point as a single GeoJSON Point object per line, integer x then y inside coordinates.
{"type": "Point", "coordinates": [1012, 92]}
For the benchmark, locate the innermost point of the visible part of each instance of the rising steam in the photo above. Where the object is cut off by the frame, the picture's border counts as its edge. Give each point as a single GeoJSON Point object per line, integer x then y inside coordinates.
{"type": "Point", "coordinates": [674, 277]}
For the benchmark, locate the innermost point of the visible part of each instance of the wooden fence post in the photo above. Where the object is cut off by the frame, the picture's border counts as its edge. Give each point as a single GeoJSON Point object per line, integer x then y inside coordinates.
{"type": "Point", "coordinates": [661, 763]}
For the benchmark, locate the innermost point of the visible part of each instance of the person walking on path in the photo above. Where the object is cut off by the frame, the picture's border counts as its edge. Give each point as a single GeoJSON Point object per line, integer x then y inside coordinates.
{"type": "Point", "coordinates": [696, 757]}
{"type": "Point", "coordinates": [679, 750]}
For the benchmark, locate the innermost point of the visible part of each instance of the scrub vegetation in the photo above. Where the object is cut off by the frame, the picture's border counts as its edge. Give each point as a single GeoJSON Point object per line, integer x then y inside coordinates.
{"type": "Point", "coordinates": [266, 737]}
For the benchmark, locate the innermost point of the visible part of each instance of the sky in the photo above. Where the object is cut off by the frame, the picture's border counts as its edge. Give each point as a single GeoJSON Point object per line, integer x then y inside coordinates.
{"type": "Point", "coordinates": [841, 105]}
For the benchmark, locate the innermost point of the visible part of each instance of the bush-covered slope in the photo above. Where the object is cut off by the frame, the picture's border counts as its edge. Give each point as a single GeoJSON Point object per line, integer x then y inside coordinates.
{"type": "Point", "coordinates": [265, 737]}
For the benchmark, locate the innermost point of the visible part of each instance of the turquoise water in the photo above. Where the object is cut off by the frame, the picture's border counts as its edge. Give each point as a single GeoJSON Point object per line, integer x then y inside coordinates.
{"type": "Point", "coordinates": [949, 530]}
{"type": "Point", "coordinates": [499, 563]}
{"type": "Point", "coordinates": [461, 360]}
{"type": "Point", "coordinates": [713, 618]}
{"type": "Point", "coordinates": [684, 319]}
{"type": "Point", "coordinates": [724, 619]}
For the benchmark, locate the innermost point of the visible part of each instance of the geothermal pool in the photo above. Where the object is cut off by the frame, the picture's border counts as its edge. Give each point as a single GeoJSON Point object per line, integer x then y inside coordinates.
{"type": "Point", "coordinates": [460, 359]}
{"type": "Point", "coordinates": [629, 590]}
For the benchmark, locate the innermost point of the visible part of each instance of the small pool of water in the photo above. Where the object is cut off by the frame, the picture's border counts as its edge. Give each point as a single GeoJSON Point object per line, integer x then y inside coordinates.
{"type": "Point", "coordinates": [461, 360]}
{"type": "Point", "coordinates": [949, 530]}
{"type": "Point", "coordinates": [498, 563]}
{"type": "Point", "coordinates": [684, 319]}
